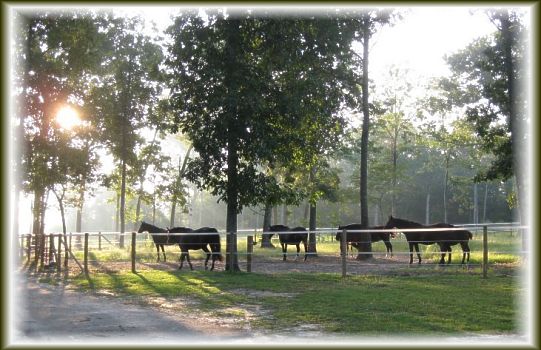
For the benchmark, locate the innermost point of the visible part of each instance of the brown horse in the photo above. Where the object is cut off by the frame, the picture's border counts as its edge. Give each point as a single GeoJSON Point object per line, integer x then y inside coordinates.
{"type": "Point", "coordinates": [444, 239]}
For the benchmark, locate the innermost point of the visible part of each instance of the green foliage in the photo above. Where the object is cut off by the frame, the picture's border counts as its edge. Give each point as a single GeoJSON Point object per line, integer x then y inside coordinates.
{"type": "Point", "coordinates": [480, 82]}
{"type": "Point", "coordinates": [256, 91]}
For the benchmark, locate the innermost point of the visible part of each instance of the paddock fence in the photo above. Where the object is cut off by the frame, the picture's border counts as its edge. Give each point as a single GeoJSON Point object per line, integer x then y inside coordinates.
{"type": "Point", "coordinates": [493, 246]}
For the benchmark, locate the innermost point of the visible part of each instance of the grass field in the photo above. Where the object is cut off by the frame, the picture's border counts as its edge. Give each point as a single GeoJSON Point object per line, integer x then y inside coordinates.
{"type": "Point", "coordinates": [403, 300]}
{"type": "Point", "coordinates": [424, 304]}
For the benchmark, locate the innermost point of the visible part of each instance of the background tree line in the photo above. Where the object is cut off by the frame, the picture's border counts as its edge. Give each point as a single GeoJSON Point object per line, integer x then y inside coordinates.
{"type": "Point", "coordinates": [262, 106]}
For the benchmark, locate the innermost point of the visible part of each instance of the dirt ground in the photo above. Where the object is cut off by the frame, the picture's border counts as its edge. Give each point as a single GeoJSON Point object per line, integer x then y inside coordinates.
{"type": "Point", "coordinates": [58, 314]}
{"type": "Point", "coordinates": [51, 314]}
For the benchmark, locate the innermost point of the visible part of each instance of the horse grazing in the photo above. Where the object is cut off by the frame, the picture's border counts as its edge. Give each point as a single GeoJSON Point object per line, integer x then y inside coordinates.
{"type": "Point", "coordinates": [354, 238]}
{"type": "Point", "coordinates": [290, 238]}
{"type": "Point", "coordinates": [444, 239]}
{"type": "Point", "coordinates": [197, 241]}
{"type": "Point", "coordinates": [159, 236]}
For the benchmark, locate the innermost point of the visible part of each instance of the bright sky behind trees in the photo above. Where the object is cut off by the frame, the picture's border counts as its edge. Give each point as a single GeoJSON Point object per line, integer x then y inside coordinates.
{"type": "Point", "coordinates": [417, 42]}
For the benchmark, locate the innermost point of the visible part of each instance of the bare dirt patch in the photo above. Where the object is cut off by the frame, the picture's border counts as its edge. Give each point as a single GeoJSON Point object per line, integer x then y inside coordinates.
{"type": "Point", "coordinates": [59, 314]}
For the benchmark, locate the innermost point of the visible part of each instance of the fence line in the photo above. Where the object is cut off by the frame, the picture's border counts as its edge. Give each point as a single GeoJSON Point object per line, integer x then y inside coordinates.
{"type": "Point", "coordinates": [53, 254]}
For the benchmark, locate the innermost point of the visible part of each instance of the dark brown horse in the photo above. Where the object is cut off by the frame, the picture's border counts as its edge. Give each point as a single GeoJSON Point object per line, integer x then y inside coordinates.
{"type": "Point", "coordinates": [354, 238]}
{"type": "Point", "coordinates": [198, 239]}
{"type": "Point", "coordinates": [444, 239]}
{"type": "Point", "coordinates": [159, 236]}
{"type": "Point", "coordinates": [290, 238]}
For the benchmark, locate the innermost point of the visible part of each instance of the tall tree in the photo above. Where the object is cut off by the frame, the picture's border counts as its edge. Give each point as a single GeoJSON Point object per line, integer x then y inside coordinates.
{"type": "Point", "coordinates": [126, 93]}
{"type": "Point", "coordinates": [368, 23]}
{"type": "Point", "coordinates": [243, 86]}
{"type": "Point", "coordinates": [489, 79]}
{"type": "Point", "coordinates": [53, 74]}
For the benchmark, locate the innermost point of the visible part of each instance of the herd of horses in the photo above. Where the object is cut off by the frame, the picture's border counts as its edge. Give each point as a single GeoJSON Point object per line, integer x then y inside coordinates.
{"type": "Point", "coordinates": [208, 239]}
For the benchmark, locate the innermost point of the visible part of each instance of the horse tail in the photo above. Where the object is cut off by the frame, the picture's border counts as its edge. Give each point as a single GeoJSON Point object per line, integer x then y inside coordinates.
{"type": "Point", "coordinates": [218, 249]}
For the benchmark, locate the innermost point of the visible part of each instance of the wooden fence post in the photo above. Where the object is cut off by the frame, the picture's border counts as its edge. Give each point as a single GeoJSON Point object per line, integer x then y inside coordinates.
{"type": "Point", "coordinates": [85, 259]}
{"type": "Point", "coordinates": [485, 251]}
{"type": "Point", "coordinates": [250, 250]}
{"type": "Point", "coordinates": [343, 244]}
{"type": "Point", "coordinates": [133, 241]}
{"type": "Point", "coordinates": [71, 236]}
{"type": "Point", "coordinates": [99, 240]}
{"type": "Point", "coordinates": [59, 254]}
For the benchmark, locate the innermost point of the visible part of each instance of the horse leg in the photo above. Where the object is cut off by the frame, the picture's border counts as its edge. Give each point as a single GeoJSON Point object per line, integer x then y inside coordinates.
{"type": "Point", "coordinates": [298, 245]}
{"type": "Point", "coordinates": [305, 256]}
{"type": "Point", "coordinates": [284, 250]}
{"type": "Point", "coordinates": [182, 256]}
{"type": "Point", "coordinates": [206, 250]}
{"type": "Point", "coordinates": [416, 245]}
{"type": "Point", "coordinates": [158, 250]}
{"type": "Point", "coordinates": [465, 250]}
{"type": "Point", "coordinates": [188, 259]}
{"type": "Point", "coordinates": [443, 250]}
{"type": "Point", "coordinates": [449, 250]}
{"type": "Point", "coordinates": [213, 260]}
{"type": "Point", "coordinates": [163, 251]}
{"type": "Point", "coordinates": [389, 248]}
{"type": "Point", "coordinates": [411, 252]}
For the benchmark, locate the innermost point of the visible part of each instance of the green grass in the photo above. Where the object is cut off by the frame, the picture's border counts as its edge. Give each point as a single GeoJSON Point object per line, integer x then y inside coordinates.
{"type": "Point", "coordinates": [430, 304]}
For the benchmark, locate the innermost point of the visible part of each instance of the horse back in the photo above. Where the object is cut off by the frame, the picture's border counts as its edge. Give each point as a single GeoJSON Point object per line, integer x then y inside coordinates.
{"type": "Point", "coordinates": [206, 239]}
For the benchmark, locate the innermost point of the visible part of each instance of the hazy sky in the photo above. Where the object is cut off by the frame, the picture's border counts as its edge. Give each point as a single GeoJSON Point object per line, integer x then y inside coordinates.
{"type": "Point", "coordinates": [419, 40]}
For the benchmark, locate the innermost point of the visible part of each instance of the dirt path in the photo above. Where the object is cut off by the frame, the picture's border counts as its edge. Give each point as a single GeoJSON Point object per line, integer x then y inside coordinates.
{"type": "Point", "coordinates": [55, 314]}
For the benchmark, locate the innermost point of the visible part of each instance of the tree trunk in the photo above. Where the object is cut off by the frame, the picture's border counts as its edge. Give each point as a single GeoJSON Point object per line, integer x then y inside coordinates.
{"type": "Point", "coordinates": [173, 209]}
{"type": "Point", "coordinates": [306, 213]}
{"type": "Point", "coordinates": [43, 211]}
{"type": "Point", "coordinates": [520, 167]}
{"type": "Point", "coordinates": [124, 120]}
{"type": "Point", "coordinates": [154, 208]}
{"type": "Point", "coordinates": [36, 212]}
{"type": "Point", "coordinates": [232, 82]}
{"type": "Point", "coordinates": [485, 204]}
{"type": "Point", "coordinates": [181, 171]}
{"type": "Point", "coordinates": [427, 210]}
{"type": "Point", "coordinates": [445, 183]}
{"type": "Point", "coordinates": [122, 205]}
{"type": "Point", "coordinates": [117, 213]}
{"type": "Point", "coordinates": [266, 238]}
{"type": "Point", "coordinates": [475, 209]}
{"type": "Point", "coordinates": [395, 158]}
{"type": "Point", "coordinates": [62, 211]}
{"type": "Point", "coordinates": [312, 247]}
{"type": "Point", "coordinates": [138, 207]}
{"type": "Point", "coordinates": [366, 246]}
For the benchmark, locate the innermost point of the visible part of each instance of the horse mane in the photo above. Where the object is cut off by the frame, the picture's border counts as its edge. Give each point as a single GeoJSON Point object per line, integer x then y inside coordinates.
{"type": "Point", "coordinates": [180, 229]}
{"type": "Point", "coordinates": [407, 222]}
{"type": "Point", "coordinates": [206, 229]}
{"type": "Point", "coordinates": [155, 229]}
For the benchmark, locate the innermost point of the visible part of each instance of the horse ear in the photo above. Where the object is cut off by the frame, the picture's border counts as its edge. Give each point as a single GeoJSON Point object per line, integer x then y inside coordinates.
{"type": "Point", "coordinates": [390, 217]}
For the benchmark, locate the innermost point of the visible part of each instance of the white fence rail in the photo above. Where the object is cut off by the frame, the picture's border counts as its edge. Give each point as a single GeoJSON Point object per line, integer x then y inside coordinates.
{"type": "Point", "coordinates": [51, 248]}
